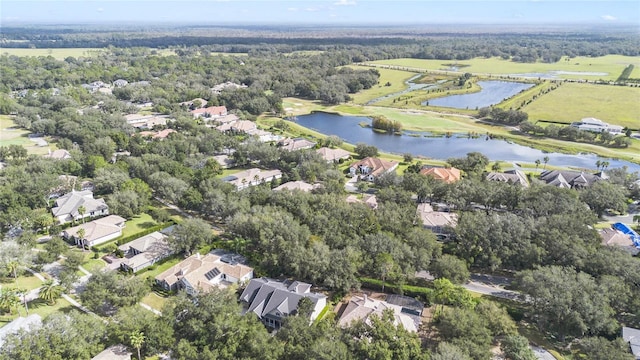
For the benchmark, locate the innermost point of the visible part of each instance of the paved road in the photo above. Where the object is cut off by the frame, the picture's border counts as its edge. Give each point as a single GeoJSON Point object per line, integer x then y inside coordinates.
{"type": "Point", "coordinates": [542, 354]}
{"type": "Point", "coordinates": [491, 285]}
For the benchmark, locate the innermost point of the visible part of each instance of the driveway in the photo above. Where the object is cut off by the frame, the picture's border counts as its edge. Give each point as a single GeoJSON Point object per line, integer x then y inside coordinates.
{"type": "Point", "coordinates": [542, 354]}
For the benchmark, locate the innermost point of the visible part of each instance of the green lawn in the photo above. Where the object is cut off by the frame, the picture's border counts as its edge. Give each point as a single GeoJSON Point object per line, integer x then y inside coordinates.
{"type": "Point", "coordinates": [154, 300]}
{"type": "Point", "coordinates": [94, 265]}
{"type": "Point", "coordinates": [570, 102]}
{"type": "Point", "coordinates": [612, 65]}
{"type": "Point", "coordinates": [138, 224]}
{"type": "Point", "coordinates": [39, 307]}
{"type": "Point", "coordinates": [12, 135]}
{"type": "Point", "coordinates": [25, 281]}
{"type": "Point", "coordinates": [396, 78]}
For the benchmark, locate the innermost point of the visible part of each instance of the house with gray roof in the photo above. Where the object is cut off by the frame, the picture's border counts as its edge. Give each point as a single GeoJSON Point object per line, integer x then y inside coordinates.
{"type": "Point", "coordinates": [273, 300]}
{"type": "Point", "coordinates": [632, 337]}
{"type": "Point", "coordinates": [145, 251]}
{"type": "Point", "coordinates": [67, 206]}
{"type": "Point", "coordinates": [96, 232]}
{"type": "Point", "coordinates": [363, 308]}
{"type": "Point", "coordinates": [570, 179]}
{"type": "Point", "coordinates": [511, 176]}
{"type": "Point", "coordinates": [20, 323]}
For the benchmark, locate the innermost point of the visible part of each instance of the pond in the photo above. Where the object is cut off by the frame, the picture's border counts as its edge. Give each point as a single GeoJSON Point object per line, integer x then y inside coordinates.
{"type": "Point", "coordinates": [348, 128]}
{"type": "Point", "coordinates": [492, 92]}
{"type": "Point", "coordinates": [412, 86]}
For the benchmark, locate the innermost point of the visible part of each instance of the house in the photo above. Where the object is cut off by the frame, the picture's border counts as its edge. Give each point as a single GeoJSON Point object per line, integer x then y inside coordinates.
{"type": "Point", "coordinates": [190, 104]}
{"type": "Point", "coordinates": [114, 352]}
{"type": "Point", "coordinates": [438, 222]}
{"type": "Point", "coordinates": [120, 83]}
{"type": "Point", "coordinates": [367, 199]}
{"type": "Point", "coordinates": [295, 144]}
{"type": "Point", "coordinates": [511, 176]}
{"type": "Point", "coordinates": [20, 324]}
{"type": "Point", "coordinates": [229, 118]}
{"type": "Point", "coordinates": [614, 237]}
{"type": "Point", "coordinates": [238, 127]}
{"type": "Point", "coordinates": [146, 121]}
{"type": "Point", "coordinates": [333, 155]}
{"type": "Point", "coordinates": [596, 125]}
{"type": "Point", "coordinates": [273, 300]}
{"type": "Point", "coordinates": [252, 177]}
{"type": "Point", "coordinates": [60, 154]}
{"type": "Point", "coordinates": [632, 337]}
{"type": "Point", "coordinates": [297, 185]}
{"type": "Point", "coordinates": [264, 136]}
{"type": "Point", "coordinates": [96, 232]}
{"type": "Point", "coordinates": [217, 89]}
{"type": "Point", "coordinates": [370, 168]}
{"type": "Point", "coordinates": [447, 175]}
{"type": "Point", "coordinates": [211, 112]}
{"type": "Point", "coordinates": [67, 206]}
{"type": "Point", "coordinates": [363, 308]}
{"type": "Point", "coordinates": [570, 179]}
{"type": "Point", "coordinates": [144, 251]}
{"type": "Point", "coordinates": [162, 134]}
{"type": "Point", "coordinates": [225, 161]}
{"type": "Point", "coordinates": [203, 273]}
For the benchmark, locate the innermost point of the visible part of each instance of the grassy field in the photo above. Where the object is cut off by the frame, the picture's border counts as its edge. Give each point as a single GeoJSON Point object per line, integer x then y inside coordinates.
{"type": "Point", "coordinates": [138, 224]}
{"type": "Point", "coordinates": [610, 64]}
{"type": "Point", "coordinates": [396, 78]}
{"type": "Point", "coordinates": [59, 54]}
{"type": "Point", "coordinates": [12, 135]}
{"type": "Point", "coordinates": [154, 300]}
{"type": "Point", "coordinates": [39, 307]}
{"type": "Point", "coordinates": [572, 101]}
{"type": "Point", "coordinates": [26, 281]}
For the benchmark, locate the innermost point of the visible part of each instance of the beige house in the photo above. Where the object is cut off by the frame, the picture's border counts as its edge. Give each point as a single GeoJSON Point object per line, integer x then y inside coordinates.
{"type": "Point", "coordinates": [370, 168]}
{"type": "Point", "coordinates": [363, 308]}
{"type": "Point", "coordinates": [204, 272]}
{"type": "Point", "coordinates": [96, 232]}
{"type": "Point", "coordinates": [144, 251]}
{"type": "Point", "coordinates": [296, 185]}
{"type": "Point", "coordinates": [68, 206]}
{"type": "Point", "coordinates": [367, 199]}
{"type": "Point", "coordinates": [295, 144]}
{"type": "Point", "coordinates": [211, 112]}
{"type": "Point", "coordinates": [438, 222]}
{"type": "Point", "coordinates": [252, 177]}
{"type": "Point", "coordinates": [613, 237]}
{"type": "Point", "coordinates": [60, 154]}
{"type": "Point", "coordinates": [333, 155]}
{"type": "Point", "coordinates": [511, 176]}
{"type": "Point", "coordinates": [447, 175]}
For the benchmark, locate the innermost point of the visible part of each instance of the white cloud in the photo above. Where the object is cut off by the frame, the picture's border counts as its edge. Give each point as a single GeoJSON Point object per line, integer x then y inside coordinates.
{"type": "Point", "coordinates": [100, 10]}
{"type": "Point", "coordinates": [311, 9]}
{"type": "Point", "coordinates": [344, 2]}
{"type": "Point", "coordinates": [292, 9]}
{"type": "Point", "coordinates": [609, 17]}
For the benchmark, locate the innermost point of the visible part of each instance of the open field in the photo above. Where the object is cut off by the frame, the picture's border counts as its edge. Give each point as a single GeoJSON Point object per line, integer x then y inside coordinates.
{"type": "Point", "coordinates": [25, 281]}
{"type": "Point", "coordinates": [154, 300]}
{"type": "Point", "coordinates": [12, 135]}
{"type": "Point", "coordinates": [396, 78]}
{"type": "Point", "coordinates": [610, 64]}
{"type": "Point", "coordinates": [138, 224]}
{"type": "Point", "coordinates": [59, 54]}
{"type": "Point", "coordinates": [572, 101]}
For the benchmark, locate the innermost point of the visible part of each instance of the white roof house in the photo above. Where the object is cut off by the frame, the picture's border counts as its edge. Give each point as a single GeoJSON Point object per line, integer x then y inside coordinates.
{"type": "Point", "coordinates": [296, 185]}
{"type": "Point", "coordinates": [596, 125]}
{"type": "Point", "coordinates": [145, 251]}
{"type": "Point", "coordinates": [252, 177]}
{"type": "Point", "coordinates": [67, 206]}
{"type": "Point", "coordinates": [333, 155]}
{"type": "Point", "coordinates": [20, 323]}
{"type": "Point", "coordinates": [632, 337]}
{"type": "Point", "coordinates": [437, 221]}
{"type": "Point", "coordinates": [362, 308]}
{"type": "Point", "coordinates": [97, 231]}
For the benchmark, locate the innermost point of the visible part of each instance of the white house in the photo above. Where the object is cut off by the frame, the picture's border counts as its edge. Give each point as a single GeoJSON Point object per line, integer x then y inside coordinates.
{"type": "Point", "coordinates": [96, 232]}
{"type": "Point", "coordinates": [145, 251]}
{"type": "Point", "coordinates": [67, 206]}
{"type": "Point", "coordinates": [596, 125]}
{"type": "Point", "coordinates": [252, 177]}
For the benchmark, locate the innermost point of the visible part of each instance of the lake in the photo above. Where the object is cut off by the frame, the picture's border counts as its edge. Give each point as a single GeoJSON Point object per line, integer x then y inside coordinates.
{"type": "Point", "coordinates": [492, 92]}
{"type": "Point", "coordinates": [442, 148]}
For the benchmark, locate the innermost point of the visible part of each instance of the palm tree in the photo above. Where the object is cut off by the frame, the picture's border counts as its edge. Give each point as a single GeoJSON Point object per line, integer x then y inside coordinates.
{"type": "Point", "coordinates": [545, 160]}
{"type": "Point", "coordinates": [80, 236]}
{"type": "Point", "coordinates": [13, 267]}
{"type": "Point", "coordinates": [598, 164]}
{"type": "Point", "coordinates": [136, 339]}
{"type": "Point", "coordinates": [605, 165]}
{"type": "Point", "coordinates": [81, 211]}
{"type": "Point", "coordinates": [9, 300]}
{"type": "Point", "coordinates": [537, 164]}
{"type": "Point", "coordinates": [496, 166]}
{"type": "Point", "coordinates": [50, 291]}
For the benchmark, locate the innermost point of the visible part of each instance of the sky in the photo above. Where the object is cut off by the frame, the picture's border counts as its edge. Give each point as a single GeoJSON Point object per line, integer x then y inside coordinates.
{"type": "Point", "coordinates": [339, 12]}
